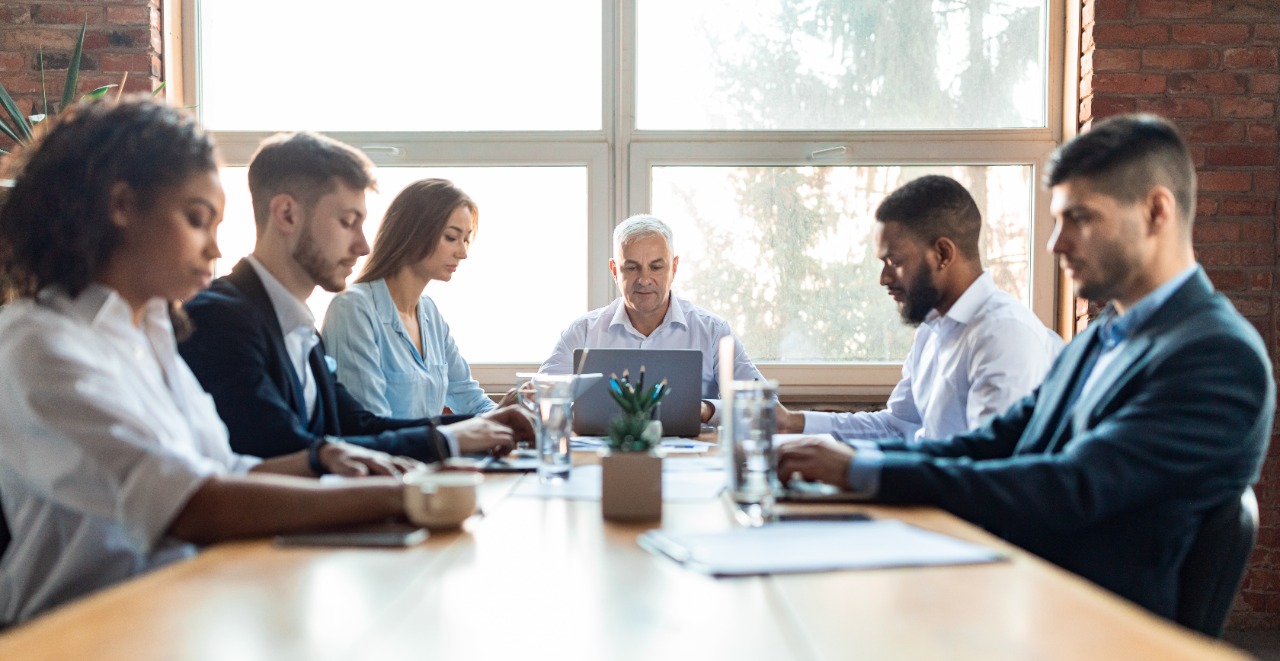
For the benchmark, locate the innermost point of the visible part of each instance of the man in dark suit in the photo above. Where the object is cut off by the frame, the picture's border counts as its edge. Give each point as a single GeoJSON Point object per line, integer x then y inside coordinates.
{"type": "Point", "coordinates": [255, 348]}
{"type": "Point", "coordinates": [1157, 413]}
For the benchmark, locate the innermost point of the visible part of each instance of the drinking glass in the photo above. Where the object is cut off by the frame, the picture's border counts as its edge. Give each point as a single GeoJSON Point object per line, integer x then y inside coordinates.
{"type": "Point", "coordinates": [554, 394]}
{"type": "Point", "coordinates": [526, 396]}
{"type": "Point", "coordinates": [747, 440]}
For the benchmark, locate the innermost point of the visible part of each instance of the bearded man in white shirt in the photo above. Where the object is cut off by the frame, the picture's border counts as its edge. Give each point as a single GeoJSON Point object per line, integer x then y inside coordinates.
{"type": "Point", "coordinates": [648, 316]}
{"type": "Point", "coordinates": [977, 350]}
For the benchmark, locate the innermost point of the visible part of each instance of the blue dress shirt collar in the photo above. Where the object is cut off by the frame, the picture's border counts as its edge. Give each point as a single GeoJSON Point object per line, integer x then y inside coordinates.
{"type": "Point", "coordinates": [1117, 328]}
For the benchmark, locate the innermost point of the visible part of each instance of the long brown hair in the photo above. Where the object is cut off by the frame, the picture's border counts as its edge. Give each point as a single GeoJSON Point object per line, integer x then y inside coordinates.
{"type": "Point", "coordinates": [413, 225]}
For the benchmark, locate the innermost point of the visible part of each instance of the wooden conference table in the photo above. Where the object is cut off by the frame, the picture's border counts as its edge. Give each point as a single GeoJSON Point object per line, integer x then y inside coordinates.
{"type": "Point", "coordinates": [535, 579]}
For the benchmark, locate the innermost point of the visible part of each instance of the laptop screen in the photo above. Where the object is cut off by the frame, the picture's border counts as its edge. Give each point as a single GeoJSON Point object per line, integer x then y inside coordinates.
{"type": "Point", "coordinates": [680, 411]}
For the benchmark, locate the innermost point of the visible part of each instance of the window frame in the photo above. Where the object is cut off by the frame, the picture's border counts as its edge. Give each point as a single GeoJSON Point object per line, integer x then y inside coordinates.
{"type": "Point", "coordinates": [619, 159]}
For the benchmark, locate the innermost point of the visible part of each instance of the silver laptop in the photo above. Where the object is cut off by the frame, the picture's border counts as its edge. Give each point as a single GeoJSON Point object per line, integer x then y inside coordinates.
{"type": "Point", "coordinates": [680, 411]}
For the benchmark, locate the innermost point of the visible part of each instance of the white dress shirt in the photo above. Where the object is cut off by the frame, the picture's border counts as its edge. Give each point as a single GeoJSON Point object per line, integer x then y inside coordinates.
{"type": "Point", "coordinates": [987, 352]}
{"type": "Point", "coordinates": [299, 327]}
{"type": "Point", "coordinates": [686, 326]}
{"type": "Point", "coordinates": [106, 435]}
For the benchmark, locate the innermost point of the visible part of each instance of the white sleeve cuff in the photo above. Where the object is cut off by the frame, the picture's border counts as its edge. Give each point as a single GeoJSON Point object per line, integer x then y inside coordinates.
{"type": "Point", "coordinates": [450, 440]}
{"type": "Point", "coordinates": [716, 406]}
{"type": "Point", "coordinates": [817, 422]}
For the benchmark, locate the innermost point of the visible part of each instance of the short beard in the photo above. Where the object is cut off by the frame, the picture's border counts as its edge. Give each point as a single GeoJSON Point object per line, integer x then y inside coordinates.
{"type": "Point", "coordinates": [308, 256]}
{"type": "Point", "coordinates": [920, 299]}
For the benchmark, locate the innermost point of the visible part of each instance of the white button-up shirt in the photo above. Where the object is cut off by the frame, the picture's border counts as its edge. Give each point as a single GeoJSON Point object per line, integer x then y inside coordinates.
{"type": "Point", "coordinates": [686, 326]}
{"type": "Point", "coordinates": [106, 435]}
{"type": "Point", "coordinates": [987, 352]}
{"type": "Point", "coordinates": [299, 327]}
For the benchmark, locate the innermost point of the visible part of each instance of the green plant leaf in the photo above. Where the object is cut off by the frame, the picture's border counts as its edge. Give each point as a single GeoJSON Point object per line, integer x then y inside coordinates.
{"type": "Point", "coordinates": [623, 403]}
{"type": "Point", "coordinates": [626, 433]}
{"type": "Point", "coordinates": [73, 69]}
{"type": "Point", "coordinates": [21, 129]}
{"type": "Point", "coordinates": [98, 93]}
{"type": "Point", "coordinates": [159, 89]}
{"type": "Point", "coordinates": [44, 93]}
{"type": "Point", "coordinates": [4, 128]}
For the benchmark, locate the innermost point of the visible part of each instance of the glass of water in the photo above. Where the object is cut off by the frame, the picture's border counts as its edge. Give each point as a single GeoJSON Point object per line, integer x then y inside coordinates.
{"type": "Point", "coordinates": [553, 395]}
{"type": "Point", "coordinates": [527, 397]}
{"type": "Point", "coordinates": [747, 442]}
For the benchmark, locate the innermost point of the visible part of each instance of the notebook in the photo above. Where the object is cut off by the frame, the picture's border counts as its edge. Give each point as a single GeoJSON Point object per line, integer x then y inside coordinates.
{"type": "Point", "coordinates": [680, 411]}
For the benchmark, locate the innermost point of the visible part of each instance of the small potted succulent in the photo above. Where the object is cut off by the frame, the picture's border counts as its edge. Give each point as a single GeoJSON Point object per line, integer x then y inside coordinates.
{"type": "Point", "coordinates": [632, 470]}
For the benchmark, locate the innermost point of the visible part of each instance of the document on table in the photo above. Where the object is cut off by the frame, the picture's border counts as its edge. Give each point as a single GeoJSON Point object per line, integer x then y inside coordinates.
{"type": "Point", "coordinates": [685, 446]}
{"type": "Point", "coordinates": [584, 484]}
{"type": "Point", "coordinates": [668, 445]}
{"type": "Point", "coordinates": [587, 442]}
{"type": "Point", "coordinates": [780, 548]}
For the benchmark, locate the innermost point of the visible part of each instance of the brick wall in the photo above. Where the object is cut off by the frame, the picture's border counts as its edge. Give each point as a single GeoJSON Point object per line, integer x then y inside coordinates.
{"type": "Point", "coordinates": [1211, 67]}
{"type": "Point", "coordinates": [121, 36]}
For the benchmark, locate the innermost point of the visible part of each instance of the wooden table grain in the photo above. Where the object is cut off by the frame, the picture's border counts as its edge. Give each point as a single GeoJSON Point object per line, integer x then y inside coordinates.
{"type": "Point", "coordinates": [539, 579]}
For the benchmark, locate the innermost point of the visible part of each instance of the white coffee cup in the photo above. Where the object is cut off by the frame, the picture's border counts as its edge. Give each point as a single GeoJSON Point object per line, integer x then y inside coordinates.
{"type": "Point", "coordinates": [441, 499]}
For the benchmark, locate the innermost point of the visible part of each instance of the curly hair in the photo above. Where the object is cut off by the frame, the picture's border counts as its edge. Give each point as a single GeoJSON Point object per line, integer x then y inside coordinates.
{"type": "Point", "coordinates": [55, 226]}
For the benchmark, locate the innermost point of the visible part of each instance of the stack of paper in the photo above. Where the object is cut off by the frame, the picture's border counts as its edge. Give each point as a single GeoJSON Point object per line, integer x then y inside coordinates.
{"type": "Point", "coordinates": [809, 547]}
{"type": "Point", "coordinates": [668, 445]}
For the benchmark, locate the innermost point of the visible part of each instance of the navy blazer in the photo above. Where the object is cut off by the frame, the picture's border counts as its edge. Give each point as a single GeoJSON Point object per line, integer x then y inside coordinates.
{"type": "Point", "coordinates": [1115, 488]}
{"type": "Point", "coordinates": [237, 352]}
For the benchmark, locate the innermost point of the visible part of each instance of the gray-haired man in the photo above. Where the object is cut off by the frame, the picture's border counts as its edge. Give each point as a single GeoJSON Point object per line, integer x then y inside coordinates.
{"type": "Point", "coordinates": [648, 316]}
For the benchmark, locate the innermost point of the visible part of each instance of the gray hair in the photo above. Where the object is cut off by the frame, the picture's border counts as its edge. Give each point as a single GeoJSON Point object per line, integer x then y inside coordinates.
{"type": "Point", "coordinates": [639, 227]}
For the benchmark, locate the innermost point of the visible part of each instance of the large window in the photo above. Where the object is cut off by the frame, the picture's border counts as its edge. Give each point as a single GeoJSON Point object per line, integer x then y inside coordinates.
{"type": "Point", "coordinates": [764, 131]}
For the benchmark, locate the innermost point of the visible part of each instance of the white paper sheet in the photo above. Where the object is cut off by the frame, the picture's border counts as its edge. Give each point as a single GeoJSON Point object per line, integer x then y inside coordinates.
{"type": "Point", "coordinates": [584, 484]}
{"type": "Point", "coordinates": [810, 547]}
{"type": "Point", "coordinates": [669, 445]}
{"type": "Point", "coordinates": [685, 446]}
{"type": "Point", "coordinates": [694, 464]}
{"type": "Point", "coordinates": [779, 439]}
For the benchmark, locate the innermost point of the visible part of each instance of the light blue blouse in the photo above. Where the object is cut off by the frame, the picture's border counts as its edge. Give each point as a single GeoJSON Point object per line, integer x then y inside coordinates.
{"type": "Point", "coordinates": [380, 366]}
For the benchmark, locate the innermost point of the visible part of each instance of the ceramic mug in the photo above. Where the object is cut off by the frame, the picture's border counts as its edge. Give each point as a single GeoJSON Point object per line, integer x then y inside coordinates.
{"type": "Point", "coordinates": [441, 499]}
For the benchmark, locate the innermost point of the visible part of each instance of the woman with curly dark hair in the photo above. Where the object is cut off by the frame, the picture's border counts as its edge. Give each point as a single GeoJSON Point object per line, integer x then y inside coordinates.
{"type": "Point", "coordinates": [113, 458]}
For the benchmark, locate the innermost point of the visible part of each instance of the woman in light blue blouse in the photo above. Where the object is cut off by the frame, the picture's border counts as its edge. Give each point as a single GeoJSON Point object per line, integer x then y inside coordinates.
{"type": "Point", "coordinates": [394, 351]}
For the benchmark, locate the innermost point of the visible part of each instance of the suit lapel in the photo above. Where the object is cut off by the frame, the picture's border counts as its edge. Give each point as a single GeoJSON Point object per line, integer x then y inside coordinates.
{"type": "Point", "coordinates": [1191, 296]}
{"type": "Point", "coordinates": [247, 281]}
{"type": "Point", "coordinates": [1050, 415]}
{"type": "Point", "coordinates": [326, 391]}
{"type": "Point", "coordinates": [1104, 389]}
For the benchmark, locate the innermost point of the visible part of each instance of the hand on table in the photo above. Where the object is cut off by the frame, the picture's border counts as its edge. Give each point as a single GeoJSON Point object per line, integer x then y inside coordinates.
{"type": "Point", "coordinates": [495, 431]}
{"type": "Point", "coordinates": [814, 458]}
{"type": "Point", "coordinates": [354, 461]}
{"type": "Point", "coordinates": [508, 399]}
{"type": "Point", "coordinates": [789, 422]}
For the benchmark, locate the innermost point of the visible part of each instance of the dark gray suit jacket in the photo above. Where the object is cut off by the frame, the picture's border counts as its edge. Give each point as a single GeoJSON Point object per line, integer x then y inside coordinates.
{"type": "Point", "coordinates": [1115, 488]}
{"type": "Point", "coordinates": [238, 354]}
